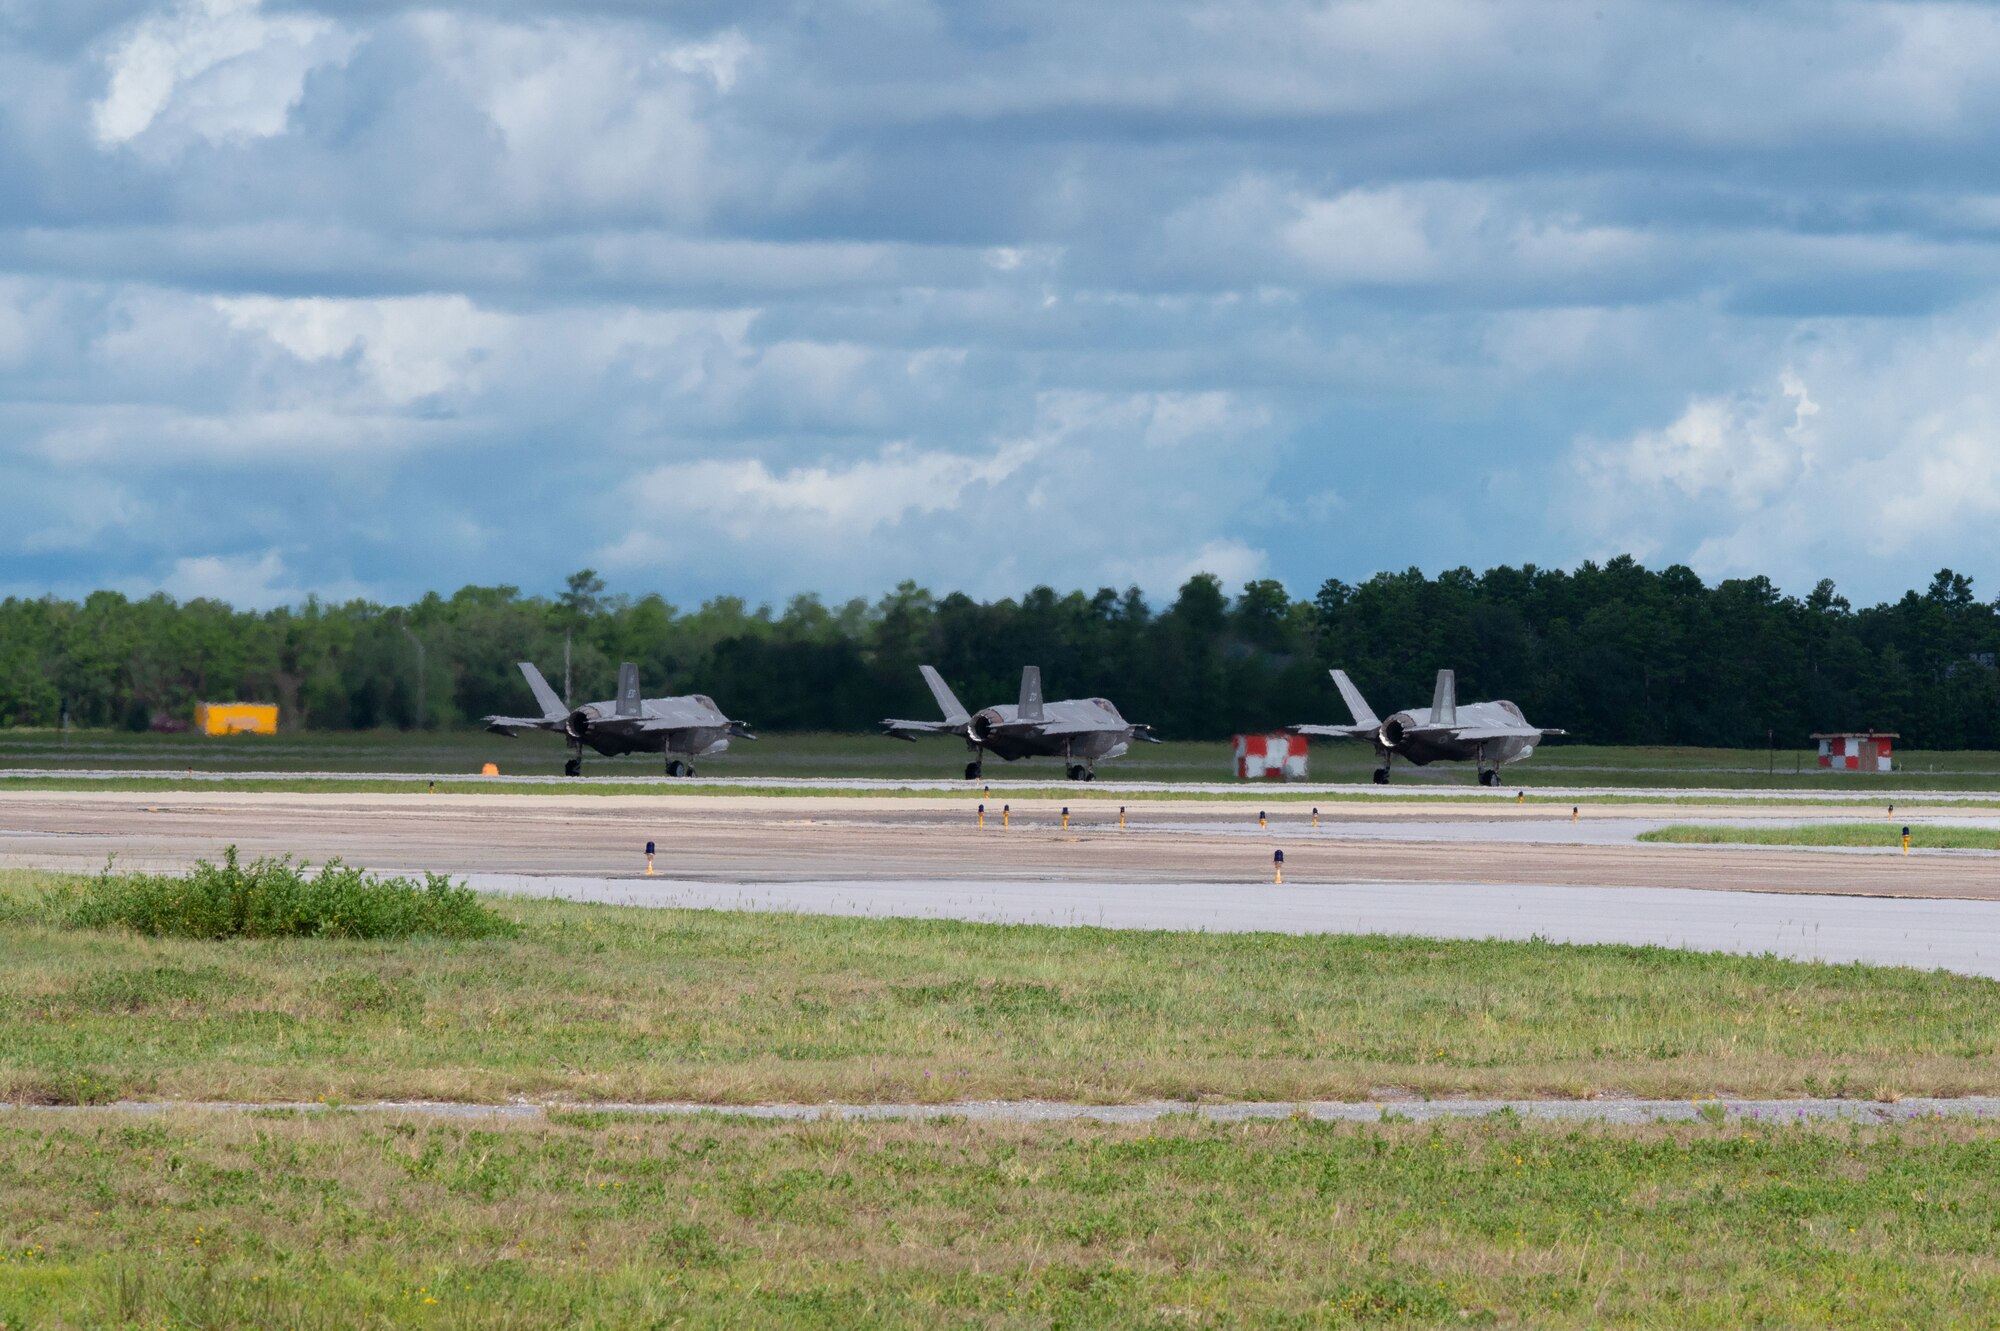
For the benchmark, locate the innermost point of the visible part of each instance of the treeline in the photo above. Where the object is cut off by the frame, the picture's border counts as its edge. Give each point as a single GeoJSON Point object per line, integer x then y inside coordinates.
{"type": "Point", "coordinates": [1617, 653]}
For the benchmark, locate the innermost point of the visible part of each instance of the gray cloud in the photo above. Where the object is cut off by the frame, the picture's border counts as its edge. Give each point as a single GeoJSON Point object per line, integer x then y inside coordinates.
{"type": "Point", "coordinates": [860, 292]}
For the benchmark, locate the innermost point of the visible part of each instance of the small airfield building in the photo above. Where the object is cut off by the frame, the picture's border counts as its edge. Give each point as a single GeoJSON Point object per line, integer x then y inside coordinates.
{"type": "Point", "coordinates": [236, 718]}
{"type": "Point", "coordinates": [1856, 750]}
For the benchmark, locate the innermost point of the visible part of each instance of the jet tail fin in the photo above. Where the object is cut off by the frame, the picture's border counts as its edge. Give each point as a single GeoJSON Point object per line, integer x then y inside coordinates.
{"type": "Point", "coordinates": [545, 697]}
{"type": "Point", "coordinates": [1031, 694]}
{"type": "Point", "coordinates": [947, 701]}
{"type": "Point", "coordinates": [1357, 706]}
{"type": "Point", "coordinates": [1444, 699]}
{"type": "Point", "coordinates": [629, 703]}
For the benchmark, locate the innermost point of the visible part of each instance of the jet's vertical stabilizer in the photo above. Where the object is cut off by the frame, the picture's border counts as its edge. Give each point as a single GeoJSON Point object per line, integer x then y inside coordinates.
{"type": "Point", "coordinates": [545, 697]}
{"type": "Point", "coordinates": [1357, 706]}
{"type": "Point", "coordinates": [1031, 694]}
{"type": "Point", "coordinates": [947, 701]}
{"type": "Point", "coordinates": [629, 703]}
{"type": "Point", "coordinates": [1444, 700]}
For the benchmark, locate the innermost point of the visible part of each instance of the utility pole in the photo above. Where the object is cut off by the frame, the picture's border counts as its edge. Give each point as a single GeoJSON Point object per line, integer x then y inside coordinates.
{"type": "Point", "coordinates": [567, 635]}
{"type": "Point", "coordinates": [420, 673]}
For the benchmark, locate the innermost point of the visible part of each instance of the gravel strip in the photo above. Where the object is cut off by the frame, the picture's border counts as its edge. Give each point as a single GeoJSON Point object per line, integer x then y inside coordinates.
{"type": "Point", "coordinates": [1049, 1111]}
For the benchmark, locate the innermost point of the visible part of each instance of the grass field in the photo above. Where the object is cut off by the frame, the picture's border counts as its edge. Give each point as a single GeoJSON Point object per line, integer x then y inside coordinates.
{"type": "Point", "coordinates": [594, 1221]}
{"type": "Point", "coordinates": [610, 1003]}
{"type": "Point", "coordinates": [1885, 835]}
{"type": "Point", "coordinates": [818, 755]}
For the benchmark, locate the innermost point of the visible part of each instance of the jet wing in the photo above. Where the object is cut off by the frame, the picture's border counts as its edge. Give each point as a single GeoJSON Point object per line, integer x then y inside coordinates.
{"type": "Point", "coordinates": [1056, 729]}
{"type": "Point", "coordinates": [1335, 732]}
{"type": "Point", "coordinates": [909, 730]}
{"type": "Point", "coordinates": [509, 725]}
{"type": "Point", "coordinates": [1477, 733]}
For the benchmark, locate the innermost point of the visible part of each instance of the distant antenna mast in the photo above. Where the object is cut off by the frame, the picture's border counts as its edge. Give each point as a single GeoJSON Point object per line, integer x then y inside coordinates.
{"type": "Point", "coordinates": [566, 638]}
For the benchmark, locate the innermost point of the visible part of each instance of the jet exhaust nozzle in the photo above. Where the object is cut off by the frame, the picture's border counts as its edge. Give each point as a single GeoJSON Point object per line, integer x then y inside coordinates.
{"type": "Point", "coordinates": [578, 723]}
{"type": "Point", "coordinates": [1391, 733]}
{"type": "Point", "coordinates": [982, 725]}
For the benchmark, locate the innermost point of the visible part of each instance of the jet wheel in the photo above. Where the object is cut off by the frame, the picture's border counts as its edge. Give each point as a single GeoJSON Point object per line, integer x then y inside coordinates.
{"type": "Point", "coordinates": [676, 767]}
{"type": "Point", "coordinates": [1089, 775]}
{"type": "Point", "coordinates": [1381, 776]}
{"type": "Point", "coordinates": [973, 771]}
{"type": "Point", "coordinates": [574, 767]}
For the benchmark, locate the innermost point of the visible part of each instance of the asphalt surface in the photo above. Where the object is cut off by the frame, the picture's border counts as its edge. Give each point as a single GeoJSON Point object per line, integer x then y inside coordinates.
{"type": "Point", "coordinates": [1961, 936]}
{"type": "Point", "coordinates": [746, 838]}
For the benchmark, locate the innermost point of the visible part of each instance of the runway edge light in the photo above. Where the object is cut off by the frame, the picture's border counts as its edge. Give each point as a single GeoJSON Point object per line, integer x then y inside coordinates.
{"type": "Point", "coordinates": [1278, 866]}
{"type": "Point", "coordinates": [649, 859]}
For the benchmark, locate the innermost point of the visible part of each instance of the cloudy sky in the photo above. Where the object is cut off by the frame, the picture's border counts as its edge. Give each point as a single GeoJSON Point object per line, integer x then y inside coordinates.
{"type": "Point", "coordinates": [750, 297]}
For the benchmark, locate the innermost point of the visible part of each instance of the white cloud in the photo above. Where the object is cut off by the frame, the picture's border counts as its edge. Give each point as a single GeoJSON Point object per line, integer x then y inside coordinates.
{"type": "Point", "coordinates": [1868, 446]}
{"type": "Point", "coordinates": [1431, 231]}
{"type": "Point", "coordinates": [220, 70]}
{"type": "Point", "coordinates": [409, 347]}
{"type": "Point", "coordinates": [744, 499]}
{"type": "Point", "coordinates": [1234, 561]}
{"type": "Point", "coordinates": [1365, 235]}
{"type": "Point", "coordinates": [253, 581]}
{"type": "Point", "coordinates": [716, 60]}
{"type": "Point", "coordinates": [592, 116]}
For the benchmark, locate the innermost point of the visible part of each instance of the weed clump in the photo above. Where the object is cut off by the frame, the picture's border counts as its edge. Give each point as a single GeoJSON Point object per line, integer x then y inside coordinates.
{"type": "Point", "coordinates": [280, 898]}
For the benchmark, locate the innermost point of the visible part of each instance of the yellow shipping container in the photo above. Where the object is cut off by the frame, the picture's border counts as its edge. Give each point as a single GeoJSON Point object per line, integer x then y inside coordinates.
{"type": "Point", "coordinates": [236, 718]}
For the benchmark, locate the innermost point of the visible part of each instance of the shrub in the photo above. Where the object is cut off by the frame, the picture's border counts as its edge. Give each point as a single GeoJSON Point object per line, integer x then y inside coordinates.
{"type": "Point", "coordinates": [282, 899]}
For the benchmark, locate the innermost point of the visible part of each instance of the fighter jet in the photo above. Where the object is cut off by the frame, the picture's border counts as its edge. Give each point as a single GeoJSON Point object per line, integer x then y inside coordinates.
{"type": "Point", "coordinates": [1081, 731]}
{"type": "Point", "coordinates": [693, 726]}
{"type": "Point", "coordinates": [1490, 734]}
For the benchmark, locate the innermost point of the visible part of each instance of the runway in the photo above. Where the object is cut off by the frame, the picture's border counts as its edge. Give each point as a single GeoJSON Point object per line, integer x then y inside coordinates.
{"type": "Point", "coordinates": [876, 838]}
{"type": "Point", "coordinates": [1500, 870]}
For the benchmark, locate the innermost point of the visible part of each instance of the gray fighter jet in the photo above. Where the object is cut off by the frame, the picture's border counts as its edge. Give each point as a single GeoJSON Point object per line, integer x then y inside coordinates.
{"type": "Point", "coordinates": [1490, 734]}
{"type": "Point", "coordinates": [1080, 731]}
{"type": "Point", "coordinates": [692, 726]}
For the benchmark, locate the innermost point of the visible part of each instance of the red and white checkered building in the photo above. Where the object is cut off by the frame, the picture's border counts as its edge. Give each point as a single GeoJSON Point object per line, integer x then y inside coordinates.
{"type": "Point", "coordinates": [1856, 750]}
{"type": "Point", "coordinates": [1271, 757]}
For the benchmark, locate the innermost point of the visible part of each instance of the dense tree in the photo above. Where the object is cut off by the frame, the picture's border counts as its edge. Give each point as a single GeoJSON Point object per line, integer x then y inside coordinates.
{"type": "Point", "coordinates": [1618, 653]}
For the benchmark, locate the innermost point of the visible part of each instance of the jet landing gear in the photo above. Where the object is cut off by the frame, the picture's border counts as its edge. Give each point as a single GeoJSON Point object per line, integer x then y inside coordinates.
{"type": "Point", "coordinates": [974, 770]}
{"type": "Point", "coordinates": [1489, 776]}
{"type": "Point", "coordinates": [1078, 772]}
{"type": "Point", "coordinates": [574, 767]}
{"type": "Point", "coordinates": [1382, 772]}
{"type": "Point", "coordinates": [677, 768]}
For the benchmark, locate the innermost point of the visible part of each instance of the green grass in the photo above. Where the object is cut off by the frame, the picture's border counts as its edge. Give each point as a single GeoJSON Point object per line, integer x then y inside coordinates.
{"type": "Point", "coordinates": [600, 1222]}
{"type": "Point", "coordinates": [275, 899]}
{"type": "Point", "coordinates": [1887, 835]}
{"type": "Point", "coordinates": [608, 1003]}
